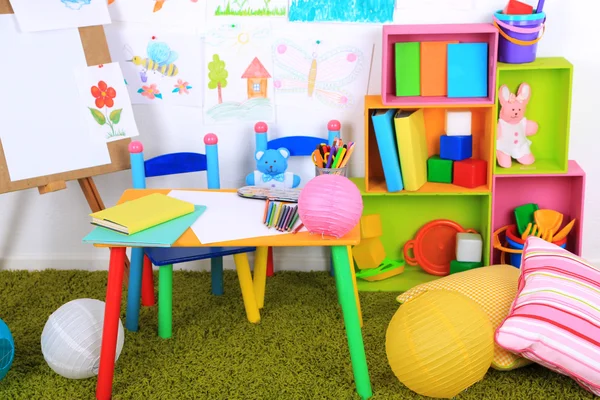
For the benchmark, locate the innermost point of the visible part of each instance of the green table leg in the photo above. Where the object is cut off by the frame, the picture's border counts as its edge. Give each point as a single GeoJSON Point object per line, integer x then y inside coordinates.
{"type": "Point", "coordinates": [345, 286]}
{"type": "Point", "coordinates": [165, 301]}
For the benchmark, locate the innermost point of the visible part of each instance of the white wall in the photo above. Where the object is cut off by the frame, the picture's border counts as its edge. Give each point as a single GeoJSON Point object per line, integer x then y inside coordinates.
{"type": "Point", "coordinates": [46, 231]}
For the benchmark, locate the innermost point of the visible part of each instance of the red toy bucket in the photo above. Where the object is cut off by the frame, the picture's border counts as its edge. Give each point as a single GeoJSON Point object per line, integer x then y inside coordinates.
{"type": "Point", "coordinates": [519, 36]}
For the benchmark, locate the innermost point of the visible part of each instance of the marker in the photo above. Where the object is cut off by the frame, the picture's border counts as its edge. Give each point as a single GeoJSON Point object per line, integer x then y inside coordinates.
{"type": "Point", "coordinates": [331, 154]}
{"type": "Point", "coordinates": [339, 157]}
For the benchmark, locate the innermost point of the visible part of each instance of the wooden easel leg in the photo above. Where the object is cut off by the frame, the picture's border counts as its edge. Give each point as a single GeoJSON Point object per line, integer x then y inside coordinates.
{"type": "Point", "coordinates": [90, 191]}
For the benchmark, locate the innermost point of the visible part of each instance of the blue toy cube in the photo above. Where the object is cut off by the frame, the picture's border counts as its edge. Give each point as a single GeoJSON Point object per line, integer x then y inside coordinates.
{"type": "Point", "coordinates": [467, 70]}
{"type": "Point", "coordinates": [456, 148]}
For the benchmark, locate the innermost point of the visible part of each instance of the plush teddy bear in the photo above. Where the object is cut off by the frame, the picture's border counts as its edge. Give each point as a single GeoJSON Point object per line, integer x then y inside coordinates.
{"type": "Point", "coordinates": [271, 166]}
{"type": "Point", "coordinates": [513, 127]}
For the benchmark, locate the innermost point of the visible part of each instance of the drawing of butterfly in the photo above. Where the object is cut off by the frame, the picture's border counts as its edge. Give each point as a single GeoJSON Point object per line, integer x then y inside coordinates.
{"type": "Point", "coordinates": [320, 75]}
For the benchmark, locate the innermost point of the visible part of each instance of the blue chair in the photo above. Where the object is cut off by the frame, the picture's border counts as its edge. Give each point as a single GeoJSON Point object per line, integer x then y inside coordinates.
{"type": "Point", "coordinates": [299, 146]}
{"type": "Point", "coordinates": [164, 258]}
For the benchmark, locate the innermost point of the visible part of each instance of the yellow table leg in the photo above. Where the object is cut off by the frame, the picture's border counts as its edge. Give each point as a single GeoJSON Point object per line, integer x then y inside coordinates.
{"type": "Point", "coordinates": [355, 285]}
{"type": "Point", "coordinates": [242, 265]}
{"type": "Point", "coordinates": [260, 275]}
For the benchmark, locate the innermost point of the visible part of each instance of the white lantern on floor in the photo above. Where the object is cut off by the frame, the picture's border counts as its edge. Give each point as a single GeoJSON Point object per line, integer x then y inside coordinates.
{"type": "Point", "coordinates": [72, 338]}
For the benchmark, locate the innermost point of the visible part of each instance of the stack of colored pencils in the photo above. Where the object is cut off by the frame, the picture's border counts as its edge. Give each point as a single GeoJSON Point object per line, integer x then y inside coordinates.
{"type": "Point", "coordinates": [280, 215]}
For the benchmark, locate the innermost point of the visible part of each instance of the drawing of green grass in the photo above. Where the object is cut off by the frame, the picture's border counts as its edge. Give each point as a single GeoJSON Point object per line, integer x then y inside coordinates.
{"type": "Point", "coordinates": [271, 12]}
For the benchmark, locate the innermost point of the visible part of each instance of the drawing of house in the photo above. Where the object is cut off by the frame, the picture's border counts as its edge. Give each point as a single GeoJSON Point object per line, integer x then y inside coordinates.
{"type": "Point", "coordinates": [257, 76]}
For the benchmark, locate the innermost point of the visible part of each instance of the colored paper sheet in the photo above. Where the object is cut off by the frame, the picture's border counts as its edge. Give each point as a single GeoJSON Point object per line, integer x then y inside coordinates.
{"type": "Point", "coordinates": [44, 15]}
{"type": "Point", "coordinates": [161, 65]}
{"type": "Point", "coordinates": [42, 133]}
{"type": "Point", "coordinates": [247, 8]}
{"type": "Point", "coordinates": [239, 73]}
{"type": "Point", "coordinates": [370, 11]}
{"type": "Point", "coordinates": [190, 13]}
{"type": "Point", "coordinates": [163, 235]}
{"type": "Point", "coordinates": [105, 102]}
{"type": "Point", "coordinates": [227, 216]}
{"type": "Point", "coordinates": [319, 67]}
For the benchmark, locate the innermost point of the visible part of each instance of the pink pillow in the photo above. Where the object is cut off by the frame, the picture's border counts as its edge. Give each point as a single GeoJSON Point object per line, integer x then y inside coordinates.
{"type": "Point", "coordinates": [555, 318]}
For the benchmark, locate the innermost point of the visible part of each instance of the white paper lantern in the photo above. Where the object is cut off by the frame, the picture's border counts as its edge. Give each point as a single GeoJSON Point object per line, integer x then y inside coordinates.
{"type": "Point", "coordinates": [72, 338]}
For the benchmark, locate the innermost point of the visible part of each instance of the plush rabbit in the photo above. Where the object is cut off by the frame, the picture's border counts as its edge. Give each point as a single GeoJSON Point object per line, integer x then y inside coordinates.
{"type": "Point", "coordinates": [513, 127]}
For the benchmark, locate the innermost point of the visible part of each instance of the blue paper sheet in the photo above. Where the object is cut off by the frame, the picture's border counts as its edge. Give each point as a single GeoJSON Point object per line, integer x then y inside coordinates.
{"type": "Point", "coordinates": [370, 11]}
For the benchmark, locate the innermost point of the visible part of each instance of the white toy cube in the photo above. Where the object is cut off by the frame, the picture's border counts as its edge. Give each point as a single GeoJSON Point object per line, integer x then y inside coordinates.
{"type": "Point", "coordinates": [469, 247]}
{"type": "Point", "coordinates": [458, 123]}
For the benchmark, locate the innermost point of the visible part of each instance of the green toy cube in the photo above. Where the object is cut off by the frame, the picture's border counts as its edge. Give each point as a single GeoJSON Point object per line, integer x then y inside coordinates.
{"type": "Point", "coordinates": [458, 266]}
{"type": "Point", "coordinates": [439, 170]}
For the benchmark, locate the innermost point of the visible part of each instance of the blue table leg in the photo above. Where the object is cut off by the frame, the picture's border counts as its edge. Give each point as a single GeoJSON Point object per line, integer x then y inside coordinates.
{"type": "Point", "coordinates": [134, 289]}
{"type": "Point", "coordinates": [216, 276]}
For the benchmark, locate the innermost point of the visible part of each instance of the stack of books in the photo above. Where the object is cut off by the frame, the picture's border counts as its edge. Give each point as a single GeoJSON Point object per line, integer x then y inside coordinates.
{"type": "Point", "coordinates": [155, 220]}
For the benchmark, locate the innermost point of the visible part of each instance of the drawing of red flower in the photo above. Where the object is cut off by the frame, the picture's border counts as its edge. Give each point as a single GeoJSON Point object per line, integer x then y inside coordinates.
{"type": "Point", "coordinates": [104, 95]}
{"type": "Point", "coordinates": [182, 87]}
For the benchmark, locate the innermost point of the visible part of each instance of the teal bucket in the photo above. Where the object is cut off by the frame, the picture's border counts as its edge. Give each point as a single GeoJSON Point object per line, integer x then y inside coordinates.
{"type": "Point", "coordinates": [519, 36]}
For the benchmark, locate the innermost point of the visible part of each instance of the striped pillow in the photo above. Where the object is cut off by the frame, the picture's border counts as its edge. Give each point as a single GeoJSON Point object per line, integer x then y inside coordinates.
{"type": "Point", "coordinates": [555, 318]}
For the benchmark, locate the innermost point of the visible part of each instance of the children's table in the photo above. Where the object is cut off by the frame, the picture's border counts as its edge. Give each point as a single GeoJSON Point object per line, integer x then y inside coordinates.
{"type": "Point", "coordinates": [343, 277]}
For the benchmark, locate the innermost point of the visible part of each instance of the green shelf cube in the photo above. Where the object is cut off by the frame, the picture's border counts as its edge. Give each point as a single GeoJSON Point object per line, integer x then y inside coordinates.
{"type": "Point", "coordinates": [458, 266]}
{"type": "Point", "coordinates": [439, 170]}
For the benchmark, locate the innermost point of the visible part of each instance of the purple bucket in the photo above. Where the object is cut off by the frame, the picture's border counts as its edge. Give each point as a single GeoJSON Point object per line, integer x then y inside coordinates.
{"type": "Point", "coordinates": [519, 36]}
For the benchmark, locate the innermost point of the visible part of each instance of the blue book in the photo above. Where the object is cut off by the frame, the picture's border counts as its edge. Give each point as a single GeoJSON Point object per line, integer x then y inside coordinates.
{"type": "Point", "coordinates": [383, 124]}
{"type": "Point", "coordinates": [162, 235]}
{"type": "Point", "coordinates": [468, 70]}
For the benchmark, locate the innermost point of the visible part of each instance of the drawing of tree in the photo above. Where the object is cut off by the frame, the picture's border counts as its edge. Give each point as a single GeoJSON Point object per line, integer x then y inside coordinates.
{"type": "Point", "coordinates": [217, 75]}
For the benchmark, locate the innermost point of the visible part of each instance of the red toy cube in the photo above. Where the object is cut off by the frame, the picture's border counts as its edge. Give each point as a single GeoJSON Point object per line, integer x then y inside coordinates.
{"type": "Point", "coordinates": [470, 173]}
{"type": "Point", "coordinates": [515, 7]}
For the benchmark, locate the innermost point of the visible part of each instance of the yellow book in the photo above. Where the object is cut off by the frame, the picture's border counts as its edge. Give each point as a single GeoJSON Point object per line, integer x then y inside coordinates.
{"type": "Point", "coordinates": [412, 148]}
{"type": "Point", "coordinates": [143, 213]}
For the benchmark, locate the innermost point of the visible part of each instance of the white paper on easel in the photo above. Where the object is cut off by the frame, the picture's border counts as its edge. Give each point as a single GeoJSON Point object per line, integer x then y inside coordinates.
{"type": "Point", "coordinates": [227, 216]}
{"type": "Point", "coordinates": [44, 15]}
{"type": "Point", "coordinates": [41, 130]}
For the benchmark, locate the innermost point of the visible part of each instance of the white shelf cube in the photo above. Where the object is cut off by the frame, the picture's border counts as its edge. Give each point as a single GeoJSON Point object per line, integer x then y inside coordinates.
{"type": "Point", "coordinates": [469, 247]}
{"type": "Point", "coordinates": [458, 123]}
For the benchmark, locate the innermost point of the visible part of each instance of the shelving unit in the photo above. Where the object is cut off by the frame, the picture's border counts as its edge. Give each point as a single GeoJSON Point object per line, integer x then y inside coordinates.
{"type": "Point", "coordinates": [551, 82]}
{"type": "Point", "coordinates": [552, 181]}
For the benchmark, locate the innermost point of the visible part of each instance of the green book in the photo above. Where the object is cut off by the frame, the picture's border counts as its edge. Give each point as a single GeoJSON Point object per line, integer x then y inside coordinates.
{"type": "Point", "coordinates": [407, 58]}
{"type": "Point", "coordinates": [162, 235]}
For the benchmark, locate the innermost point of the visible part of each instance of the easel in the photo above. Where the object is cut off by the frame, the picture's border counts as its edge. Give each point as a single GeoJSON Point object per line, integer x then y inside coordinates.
{"type": "Point", "coordinates": [96, 52]}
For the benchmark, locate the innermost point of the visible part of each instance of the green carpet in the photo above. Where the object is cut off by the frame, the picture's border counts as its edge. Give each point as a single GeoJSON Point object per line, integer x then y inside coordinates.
{"type": "Point", "coordinates": [298, 351]}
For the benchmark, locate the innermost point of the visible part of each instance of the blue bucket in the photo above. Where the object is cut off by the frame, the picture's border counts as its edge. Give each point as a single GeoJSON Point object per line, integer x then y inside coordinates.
{"type": "Point", "coordinates": [515, 258]}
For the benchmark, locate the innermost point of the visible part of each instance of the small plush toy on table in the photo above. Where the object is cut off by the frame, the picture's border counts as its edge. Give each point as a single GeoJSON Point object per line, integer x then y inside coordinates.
{"type": "Point", "coordinates": [513, 127]}
{"type": "Point", "coordinates": [271, 166]}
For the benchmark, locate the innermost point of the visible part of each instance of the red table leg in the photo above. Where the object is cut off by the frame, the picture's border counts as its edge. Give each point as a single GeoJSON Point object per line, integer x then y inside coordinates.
{"type": "Point", "coordinates": [270, 262]}
{"type": "Point", "coordinates": [148, 299]}
{"type": "Point", "coordinates": [110, 330]}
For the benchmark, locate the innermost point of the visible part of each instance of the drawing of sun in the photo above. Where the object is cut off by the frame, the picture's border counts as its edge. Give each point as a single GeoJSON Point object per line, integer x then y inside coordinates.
{"type": "Point", "coordinates": [243, 40]}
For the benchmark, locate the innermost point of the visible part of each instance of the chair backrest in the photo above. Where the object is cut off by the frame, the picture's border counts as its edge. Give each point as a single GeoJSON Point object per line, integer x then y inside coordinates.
{"type": "Point", "coordinates": [176, 163]}
{"type": "Point", "coordinates": [297, 145]}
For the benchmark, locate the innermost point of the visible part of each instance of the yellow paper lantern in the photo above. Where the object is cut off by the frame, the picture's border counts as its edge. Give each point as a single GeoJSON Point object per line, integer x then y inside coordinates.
{"type": "Point", "coordinates": [440, 343]}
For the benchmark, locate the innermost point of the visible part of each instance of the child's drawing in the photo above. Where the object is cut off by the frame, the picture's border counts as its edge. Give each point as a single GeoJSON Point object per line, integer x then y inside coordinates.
{"type": "Point", "coordinates": [104, 93]}
{"type": "Point", "coordinates": [330, 76]}
{"type": "Point", "coordinates": [239, 73]}
{"type": "Point", "coordinates": [163, 67]}
{"type": "Point", "coordinates": [45, 15]}
{"type": "Point", "coordinates": [371, 11]}
{"type": "Point", "coordinates": [248, 8]}
{"type": "Point", "coordinates": [76, 4]}
{"type": "Point", "coordinates": [162, 12]}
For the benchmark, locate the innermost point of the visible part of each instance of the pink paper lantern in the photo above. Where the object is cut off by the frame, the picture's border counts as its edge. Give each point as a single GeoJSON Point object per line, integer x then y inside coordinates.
{"type": "Point", "coordinates": [330, 205]}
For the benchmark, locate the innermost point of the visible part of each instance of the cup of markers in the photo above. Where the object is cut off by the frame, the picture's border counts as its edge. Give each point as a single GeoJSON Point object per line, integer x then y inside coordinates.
{"type": "Point", "coordinates": [332, 160]}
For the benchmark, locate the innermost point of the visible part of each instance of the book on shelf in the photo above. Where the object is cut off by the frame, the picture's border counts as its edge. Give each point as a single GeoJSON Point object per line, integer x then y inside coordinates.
{"type": "Point", "coordinates": [383, 125]}
{"type": "Point", "coordinates": [412, 147]}
{"type": "Point", "coordinates": [140, 214]}
{"type": "Point", "coordinates": [161, 235]}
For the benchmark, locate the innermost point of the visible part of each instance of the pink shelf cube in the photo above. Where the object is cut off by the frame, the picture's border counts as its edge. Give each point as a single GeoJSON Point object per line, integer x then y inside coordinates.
{"type": "Point", "coordinates": [464, 33]}
{"type": "Point", "coordinates": [561, 192]}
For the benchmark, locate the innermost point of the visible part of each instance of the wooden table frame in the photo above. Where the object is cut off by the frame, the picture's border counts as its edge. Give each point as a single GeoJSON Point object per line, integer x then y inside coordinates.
{"type": "Point", "coordinates": [343, 277]}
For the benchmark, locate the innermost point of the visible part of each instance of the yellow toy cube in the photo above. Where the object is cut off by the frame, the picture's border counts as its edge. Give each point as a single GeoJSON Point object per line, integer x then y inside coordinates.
{"type": "Point", "coordinates": [369, 253]}
{"type": "Point", "coordinates": [370, 226]}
